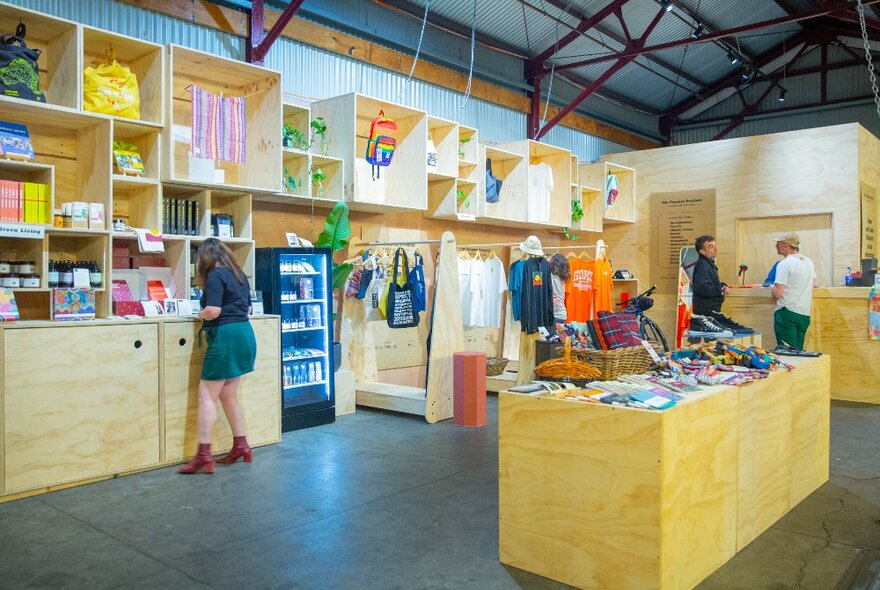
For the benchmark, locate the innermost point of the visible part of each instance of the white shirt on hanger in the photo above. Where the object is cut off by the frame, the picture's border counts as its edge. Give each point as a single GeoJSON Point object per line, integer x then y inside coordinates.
{"type": "Point", "coordinates": [464, 285]}
{"type": "Point", "coordinates": [540, 187]}
{"type": "Point", "coordinates": [494, 286]}
{"type": "Point", "coordinates": [476, 286]}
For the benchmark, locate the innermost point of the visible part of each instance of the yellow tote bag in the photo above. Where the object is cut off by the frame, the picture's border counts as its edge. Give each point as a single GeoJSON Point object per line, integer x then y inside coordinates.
{"type": "Point", "coordinates": [111, 89]}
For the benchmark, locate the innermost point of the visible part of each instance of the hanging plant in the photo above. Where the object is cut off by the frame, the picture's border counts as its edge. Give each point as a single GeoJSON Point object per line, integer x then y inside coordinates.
{"type": "Point", "coordinates": [462, 199]}
{"type": "Point", "coordinates": [570, 235]}
{"type": "Point", "coordinates": [318, 178]}
{"type": "Point", "coordinates": [577, 211]}
{"type": "Point", "coordinates": [461, 144]}
{"type": "Point", "coordinates": [290, 183]}
{"type": "Point", "coordinates": [319, 128]}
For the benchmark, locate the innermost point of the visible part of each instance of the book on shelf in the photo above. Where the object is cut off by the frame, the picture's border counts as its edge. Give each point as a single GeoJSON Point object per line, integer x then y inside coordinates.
{"type": "Point", "coordinates": [128, 158]}
{"type": "Point", "coordinates": [15, 142]}
{"type": "Point", "coordinates": [8, 307]}
{"type": "Point", "coordinates": [24, 202]}
{"type": "Point", "coordinates": [180, 216]}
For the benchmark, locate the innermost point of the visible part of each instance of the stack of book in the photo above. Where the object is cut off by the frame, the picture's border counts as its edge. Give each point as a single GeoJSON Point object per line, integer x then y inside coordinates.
{"type": "Point", "coordinates": [180, 217]}
{"type": "Point", "coordinates": [25, 202]}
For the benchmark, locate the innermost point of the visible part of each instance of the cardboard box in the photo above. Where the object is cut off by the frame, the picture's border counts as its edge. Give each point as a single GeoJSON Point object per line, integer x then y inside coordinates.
{"type": "Point", "coordinates": [139, 261]}
{"type": "Point", "coordinates": [96, 216]}
{"type": "Point", "coordinates": [73, 304]}
{"type": "Point", "coordinates": [128, 308]}
{"type": "Point", "coordinates": [121, 262]}
{"type": "Point", "coordinates": [80, 215]}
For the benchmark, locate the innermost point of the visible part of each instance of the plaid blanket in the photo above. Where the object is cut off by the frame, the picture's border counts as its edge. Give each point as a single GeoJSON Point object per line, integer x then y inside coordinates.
{"type": "Point", "coordinates": [204, 124]}
{"type": "Point", "coordinates": [620, 330]}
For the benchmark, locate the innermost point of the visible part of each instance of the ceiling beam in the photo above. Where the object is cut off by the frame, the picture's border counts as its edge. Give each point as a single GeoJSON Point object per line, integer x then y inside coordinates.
{"type": "Point", "coordinates": [614, 36]}
{"type": "Point", "coordinates": [640, 42]}
{"type": "Point", "coordinates": [807, 36]}
{"type": "Point", "coordinates": [747, 110]}
{"type": "Point", "coordinates": [636, 51]}
{"type": "Point", "coordinates": [584, 25]}
{"type": "Point", "coordinates": [789, 109]}
{"type": "Point", "coordinates": [258, 45]}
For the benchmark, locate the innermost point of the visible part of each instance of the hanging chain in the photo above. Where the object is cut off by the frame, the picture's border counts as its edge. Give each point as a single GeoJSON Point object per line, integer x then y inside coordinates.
{"type": "Point", "coordinates": [861, 10]}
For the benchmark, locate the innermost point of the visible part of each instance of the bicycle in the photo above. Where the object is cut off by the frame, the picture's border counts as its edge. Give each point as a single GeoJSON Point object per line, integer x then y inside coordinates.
{"type": "Point", "coordinates": [647, 327]}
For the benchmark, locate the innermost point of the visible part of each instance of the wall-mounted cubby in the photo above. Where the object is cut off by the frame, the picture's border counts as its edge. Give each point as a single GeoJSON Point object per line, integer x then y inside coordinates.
{"type": "Point", "coordinates": [137, 202]}
{"type": "Point", "coordinates": [224, 78]}
{"type": "Point", "coordinates": [298, 116]}
{"type": "Point", "coordinates": [593, 207]}
{"type": "Point", "coordinates": [512, 169]}
{"type": "Point", "coordinates": [548, 182]}
{"type": "Point", "coordinates": [575, 172]}
{"type": "Point", "coordinates": [57, 40]}
{"type": "Point", "coordinates": [404, 184]}
{"type": "Point", "coordinates": [444, 136]}
{"type": "Point", "coordinates": [145, 61]}
{"type": "Point", "coordinates": [147, 139]}
{"type": "Point", "coordinates": [623, 210]}
{"type": "Point", "coordinates": [76, 145]}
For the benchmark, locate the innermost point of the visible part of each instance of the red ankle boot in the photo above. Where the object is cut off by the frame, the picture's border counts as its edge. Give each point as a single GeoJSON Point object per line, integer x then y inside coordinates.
{"type": "Point", "coordinates": [240, 448]}
{"type": "Point", "coordinates": [202, 461]}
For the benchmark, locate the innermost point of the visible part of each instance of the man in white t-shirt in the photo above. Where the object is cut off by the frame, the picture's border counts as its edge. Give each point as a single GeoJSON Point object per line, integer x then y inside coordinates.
{"type": "Point", "coordinates": [793, 290]}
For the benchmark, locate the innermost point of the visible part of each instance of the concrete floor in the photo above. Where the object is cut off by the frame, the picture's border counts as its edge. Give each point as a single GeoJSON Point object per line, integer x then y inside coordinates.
{"type": "Point", "coordinates": [384, 501]}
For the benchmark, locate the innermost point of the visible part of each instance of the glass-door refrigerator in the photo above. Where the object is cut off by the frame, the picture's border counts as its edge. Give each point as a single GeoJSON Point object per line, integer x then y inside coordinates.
{"type": "Point", "coordinates": [297, 285]}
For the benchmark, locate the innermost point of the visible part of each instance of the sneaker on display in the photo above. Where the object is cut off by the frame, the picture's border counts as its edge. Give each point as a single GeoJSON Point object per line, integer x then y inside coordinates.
{"type": "Point", "coordinates": [785, 350]}
{"type": "Point", "coordinates": [706, 327]}
{"type": "Point", "coordinates": [728, 324]}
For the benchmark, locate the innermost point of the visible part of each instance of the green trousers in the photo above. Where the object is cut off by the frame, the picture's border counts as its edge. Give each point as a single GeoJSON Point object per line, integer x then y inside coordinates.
{"type": "Point", "coordinates": [790, 328]}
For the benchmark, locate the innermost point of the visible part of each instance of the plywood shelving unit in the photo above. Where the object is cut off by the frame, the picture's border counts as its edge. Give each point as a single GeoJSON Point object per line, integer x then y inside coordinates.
{"type": "Point", "coordinates": [401, 186]}
{"type": "Point", "coordinates": [59, 62]}
{"type": "Point", "coordinates": [558, 209]}
{"type": "Point", "coordinates": [261, 171]}
{"type": "Point", "coordinates": [453, 187]}
{"type": "Point", "coordinates": [299, 162]}
{"type": "Point", "coordinates": [512, 169]}
{"type": "Point", "coordinates": [624, 208]}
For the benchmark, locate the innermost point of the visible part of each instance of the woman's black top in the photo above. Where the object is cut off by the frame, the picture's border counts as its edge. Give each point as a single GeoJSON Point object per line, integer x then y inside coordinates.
{"type": "Point", "coordinates": [223, 290]}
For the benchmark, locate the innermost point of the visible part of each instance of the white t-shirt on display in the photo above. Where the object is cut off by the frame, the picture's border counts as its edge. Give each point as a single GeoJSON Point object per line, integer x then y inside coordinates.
{"type": "Point", "coordinates": [540, 187]}
{"type": "Point", "coordinates": [798, 274]}
{"type": "Point", "coordinates": [474, 315]}
{"type": "Point", "coordinates": [494, 286]}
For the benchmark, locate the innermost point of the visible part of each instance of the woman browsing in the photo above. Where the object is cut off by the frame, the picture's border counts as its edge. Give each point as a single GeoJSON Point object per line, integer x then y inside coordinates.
{"type": "Point", "coordinates": [232, 349]}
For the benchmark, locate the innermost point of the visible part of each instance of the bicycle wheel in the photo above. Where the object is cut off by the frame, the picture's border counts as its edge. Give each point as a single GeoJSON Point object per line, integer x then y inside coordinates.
{"type": "Point", "coordinates": [651, 331]}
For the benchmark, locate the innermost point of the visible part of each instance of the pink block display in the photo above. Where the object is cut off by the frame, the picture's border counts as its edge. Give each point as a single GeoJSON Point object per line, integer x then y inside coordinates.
{"type": "Point", "coordinates": [469, 389]}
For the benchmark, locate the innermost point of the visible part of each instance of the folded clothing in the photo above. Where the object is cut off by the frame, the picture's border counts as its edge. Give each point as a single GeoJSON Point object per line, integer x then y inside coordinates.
{"type": "Point", "coordinates": [620, 330]}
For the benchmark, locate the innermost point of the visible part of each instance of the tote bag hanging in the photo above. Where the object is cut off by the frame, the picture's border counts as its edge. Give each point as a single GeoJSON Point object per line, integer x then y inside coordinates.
{"type": "Point", "coordinates": [401, 311]}
{"type": "Point", "coordinates": [19, 76]}
{"type": "Point", "coordinates": [111, 89]}
{"type": "Point", "coordinates": [493, 184]}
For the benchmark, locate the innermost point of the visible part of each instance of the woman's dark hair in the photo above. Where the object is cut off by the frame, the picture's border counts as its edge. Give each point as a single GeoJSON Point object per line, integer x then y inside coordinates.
{"type": "Point", "coordinates": [215, 254]}
{"type": "Point", "coordinates": [559, 266]}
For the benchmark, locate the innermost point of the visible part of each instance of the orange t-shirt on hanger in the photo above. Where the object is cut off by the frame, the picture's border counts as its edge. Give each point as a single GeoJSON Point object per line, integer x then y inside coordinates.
{"type": "Point", "coordinates": [602, 286]}
{"type": "Point", "coordinates": [579, 290]}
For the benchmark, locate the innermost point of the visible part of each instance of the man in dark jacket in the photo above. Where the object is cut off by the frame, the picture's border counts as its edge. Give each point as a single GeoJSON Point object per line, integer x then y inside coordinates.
{"type": "Point", "coordinates": [708, 289]}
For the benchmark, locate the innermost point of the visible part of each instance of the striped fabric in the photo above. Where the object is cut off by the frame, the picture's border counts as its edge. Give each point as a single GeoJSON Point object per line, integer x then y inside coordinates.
{"type": "Point", "coordinates": [231, 129]}
{"type": "Point", "coordinates": [219, 127]}
{"type": "Point", "coordinates": [204, 124]}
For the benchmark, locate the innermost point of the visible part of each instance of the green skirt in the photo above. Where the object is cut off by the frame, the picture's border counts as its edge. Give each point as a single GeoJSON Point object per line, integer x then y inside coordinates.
{"type": "Point", "coordinates": [232, 349]}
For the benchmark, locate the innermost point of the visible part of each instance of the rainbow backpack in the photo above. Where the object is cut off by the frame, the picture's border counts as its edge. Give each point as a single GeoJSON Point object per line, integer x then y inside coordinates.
{"type": "Point", "coordinates": [382, 142]}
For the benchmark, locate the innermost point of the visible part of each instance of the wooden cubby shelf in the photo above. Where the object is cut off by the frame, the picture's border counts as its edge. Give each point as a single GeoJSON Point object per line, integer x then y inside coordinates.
{"type": "Point", "coordinates": [298, 116]}
{"type": "Point", "coordinates": [444, 134]}
{"type": "Point", "coordinates": [334, 169]}
{"type": "Point", "coordinates": [575, 172]}
{"type": "Point", "coordinates": [57, 40]}
{"type": "Point", "coordinates": [624, 208]}
{"type": "Point", "coordinates": [261, 88]}
{"type": "Point", "coordinates": [594, 209]}
{"type": "Point", "coordinates": [511, 169]}
{"type": "Point", "coordinates": [401, 185]}
{"type": "Point", "coordinates": [553, 209]}
{"type": "Point", "coordinates": [145, 61]}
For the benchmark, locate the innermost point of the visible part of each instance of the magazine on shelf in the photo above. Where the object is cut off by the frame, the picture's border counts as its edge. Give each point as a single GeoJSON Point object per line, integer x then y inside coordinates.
{"type": "Point", "coordinates": [15, 142]}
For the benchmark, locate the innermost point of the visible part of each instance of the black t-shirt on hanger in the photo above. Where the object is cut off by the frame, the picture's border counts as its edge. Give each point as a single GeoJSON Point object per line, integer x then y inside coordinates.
{"type": "Point", "coordinates": [537, 296]}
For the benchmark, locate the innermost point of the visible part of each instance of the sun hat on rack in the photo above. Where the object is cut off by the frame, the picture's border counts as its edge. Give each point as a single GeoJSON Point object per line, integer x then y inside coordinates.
{"type": "Point", "coordinates": [532, 246]}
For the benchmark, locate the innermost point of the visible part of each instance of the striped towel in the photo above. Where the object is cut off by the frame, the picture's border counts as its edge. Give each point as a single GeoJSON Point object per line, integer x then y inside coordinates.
{"type": "Point", "coordinates": [219, 127]}
{"type": "Point", "coordinates": [231, 129]}
{"type": "Point", "coordinates": [204, 123]}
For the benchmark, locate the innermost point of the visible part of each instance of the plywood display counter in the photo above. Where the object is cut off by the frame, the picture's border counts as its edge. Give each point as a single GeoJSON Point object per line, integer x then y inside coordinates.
{"type": "Point", "coordinates": [839, 327]}
{"type": "Point", "coordinates": [599, 496]}
{"type": "Point", "coordinates": [88, 400]}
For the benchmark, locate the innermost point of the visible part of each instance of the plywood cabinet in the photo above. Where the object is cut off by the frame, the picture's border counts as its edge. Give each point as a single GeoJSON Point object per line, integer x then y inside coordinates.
{"type": "Point", "coordinates": [68, 418]}
{"type": "Point", "coordinates": [259, 391]}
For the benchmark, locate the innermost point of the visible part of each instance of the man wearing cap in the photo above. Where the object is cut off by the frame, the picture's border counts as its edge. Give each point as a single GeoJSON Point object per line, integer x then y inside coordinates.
{"type": "Point", "coordinates": [793, 290]}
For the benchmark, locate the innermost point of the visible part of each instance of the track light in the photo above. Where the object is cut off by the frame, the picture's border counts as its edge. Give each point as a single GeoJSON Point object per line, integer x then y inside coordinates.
{"type": "Point", "coordinates": [698, 30]}
{"type": "Point", "coordinates": [782, 92]}
{"type": "Point", "coordinates": [732, 57]}
{"type": "Point", "coordinates": [667, 4]}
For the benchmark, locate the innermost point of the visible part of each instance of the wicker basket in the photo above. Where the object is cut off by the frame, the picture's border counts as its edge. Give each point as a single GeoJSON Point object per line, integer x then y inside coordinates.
{"type": "Point", "coordinates": [622, 361]}
{"type": "Point", "coordinates": [495, 365]}
{"type": "Point", "coordinates": [566, 368]}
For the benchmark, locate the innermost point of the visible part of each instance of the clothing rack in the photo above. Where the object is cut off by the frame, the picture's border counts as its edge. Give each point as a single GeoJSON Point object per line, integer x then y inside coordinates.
{"type": "Point", "coordinates": [434, 401]}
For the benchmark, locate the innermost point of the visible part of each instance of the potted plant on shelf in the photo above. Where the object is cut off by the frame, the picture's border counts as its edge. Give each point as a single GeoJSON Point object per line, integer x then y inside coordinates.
{"type": "Point", "coordinates": [291, 137]}
{"type": "Point", "coordinates": [337, 231]}
{"type": "Point", "coordinates": [319, 128]}
{"type": "Point", "coordinates": [290, 183]}
{"type": "Point", "coordinates": [318, 178]}
{"type": "Point", "coordinates": [461, 144]}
